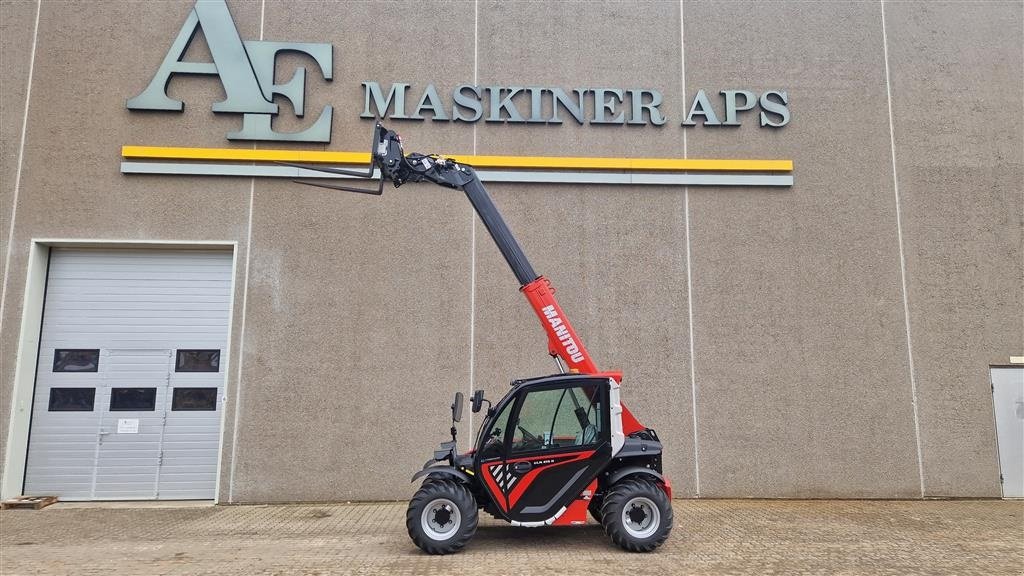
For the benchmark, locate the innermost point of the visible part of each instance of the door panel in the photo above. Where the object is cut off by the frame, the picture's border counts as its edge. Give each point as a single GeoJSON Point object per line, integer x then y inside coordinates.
{"type": "Point", "coordinates": [552, 481]}
{"type": "Point", "coordinates": [126, 300]}
{"type": "Point", "coordinates": [535, 488]}
{"type": "Point", "coordinates": [131, 409]}
{"type": "Point", "coordinates": [191, 434]}
{"type": "Point", "coordinates": [557, 443]}
{"type": "Point", "coordinates": [1008, 397]}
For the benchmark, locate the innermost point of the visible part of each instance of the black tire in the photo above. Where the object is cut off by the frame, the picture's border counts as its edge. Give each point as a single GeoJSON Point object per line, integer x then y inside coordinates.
{"type": "Point", "coordinates": [595, 508]}
{"type": "Point", "coordinates": [639, 500]}
{"type": "Point", "coordinates": [436, 505]}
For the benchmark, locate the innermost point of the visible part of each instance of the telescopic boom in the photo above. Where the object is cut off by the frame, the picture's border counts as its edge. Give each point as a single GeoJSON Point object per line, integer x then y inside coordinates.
{"type": "Point", "coordinates": [388, 156]}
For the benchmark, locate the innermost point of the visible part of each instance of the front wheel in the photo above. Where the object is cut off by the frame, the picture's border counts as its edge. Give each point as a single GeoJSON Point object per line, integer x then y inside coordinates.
{"type": "Point", "coordinates": [637, 515]}
{"type": "Point", "coordinates": [442, 517]}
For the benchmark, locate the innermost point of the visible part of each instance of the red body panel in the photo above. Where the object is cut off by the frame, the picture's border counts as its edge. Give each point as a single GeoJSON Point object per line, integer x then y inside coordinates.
{"type": "Point", "coordinates": [564, 343]}
{"type": "Point", "coordinates": [488, 477]}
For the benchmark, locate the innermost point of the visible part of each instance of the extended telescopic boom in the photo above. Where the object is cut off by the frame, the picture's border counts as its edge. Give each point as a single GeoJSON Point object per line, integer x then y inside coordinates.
{"type": "Point", "coordinates": [388, 155]}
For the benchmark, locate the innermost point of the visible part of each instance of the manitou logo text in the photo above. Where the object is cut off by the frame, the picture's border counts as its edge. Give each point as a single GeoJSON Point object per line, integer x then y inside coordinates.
{"type": "Point", "coordinates": [246, 70]}
{"type": "Point", "coordinates": [562, 333]}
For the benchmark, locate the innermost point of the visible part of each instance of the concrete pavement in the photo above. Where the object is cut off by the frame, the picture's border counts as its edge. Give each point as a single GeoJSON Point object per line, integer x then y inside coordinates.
{"type": "Point", "coordinates": [710, 537]}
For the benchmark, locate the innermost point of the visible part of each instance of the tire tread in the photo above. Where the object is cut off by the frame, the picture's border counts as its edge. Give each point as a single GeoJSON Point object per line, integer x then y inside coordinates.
{"type": "Point", "coordinates": [457, 493]}
{"type": "Point", "coordinates": [611, 513]}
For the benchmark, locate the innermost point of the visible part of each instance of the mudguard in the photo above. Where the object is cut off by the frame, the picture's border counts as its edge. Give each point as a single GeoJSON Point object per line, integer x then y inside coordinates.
{"type": "Point", "coordinates": [442, 471]}
{"type": "Point", "coordinates": [631, 470]}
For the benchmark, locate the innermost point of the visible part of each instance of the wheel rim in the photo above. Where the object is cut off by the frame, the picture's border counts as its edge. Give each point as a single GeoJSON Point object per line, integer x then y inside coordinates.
{"type": "Point", "coordinates": [440, 519]}
{"type": "Point", "coordinates": [641, 517]}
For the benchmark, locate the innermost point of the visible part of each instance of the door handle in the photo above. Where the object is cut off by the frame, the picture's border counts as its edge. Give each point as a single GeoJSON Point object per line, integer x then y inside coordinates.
{"type": "Point", "coordinates": [522, 467]}
{"type": "Point", "coordinates": [104, 432]}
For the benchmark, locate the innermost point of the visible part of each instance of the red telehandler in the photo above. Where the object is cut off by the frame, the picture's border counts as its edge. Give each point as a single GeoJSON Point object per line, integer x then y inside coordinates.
{"type": "Point", "coordinates": [554, 447]}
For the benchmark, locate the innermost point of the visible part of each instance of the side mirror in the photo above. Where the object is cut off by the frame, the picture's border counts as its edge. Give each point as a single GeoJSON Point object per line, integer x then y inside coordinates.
{"type": "Point", "coordinates": [477, 401]}
{"type": "Point", "coordinates": [457, 407]}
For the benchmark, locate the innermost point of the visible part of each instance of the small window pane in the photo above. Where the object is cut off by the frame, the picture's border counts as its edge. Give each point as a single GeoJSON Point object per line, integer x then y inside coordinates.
{"type": "Point", "coordinates": [132, 399]}
{"type": "Point", "coordinates": [72, 399]}
{"type": "Point", "coordinates": [189, 399]}
{"type": "Point", "coordinates": [65, 360]}
{"type": "Point", "coordinates": [198, 361]}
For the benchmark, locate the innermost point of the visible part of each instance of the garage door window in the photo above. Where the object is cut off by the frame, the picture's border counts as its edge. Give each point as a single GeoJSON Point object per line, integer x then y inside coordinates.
{"type": "Point", "coordinates": [194, 399]}
{"type": "Point", "coordinates": [72, 399]}
{"type": "Point", "coordinates": [66, 360]}
{"type": "Point", "coordinates": [197, 361]}
{"type": "Point", "coordinates": [132, 399]}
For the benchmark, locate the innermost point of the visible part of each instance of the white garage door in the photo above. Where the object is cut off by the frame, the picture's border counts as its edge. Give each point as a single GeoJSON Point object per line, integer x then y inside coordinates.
{"type": "Point", "coordinates": [130, 385]}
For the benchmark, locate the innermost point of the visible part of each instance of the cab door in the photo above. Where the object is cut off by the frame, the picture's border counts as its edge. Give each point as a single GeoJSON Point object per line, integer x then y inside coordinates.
{"type": "Point", "coordinates": [489, 459]}
{"type": "Point", "coordinates": [556, 443]}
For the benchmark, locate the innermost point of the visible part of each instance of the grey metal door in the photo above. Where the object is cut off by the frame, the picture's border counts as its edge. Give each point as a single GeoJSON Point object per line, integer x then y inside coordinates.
{"type": "Point", "coordinates": [191, 442]}
{"type": "Point", "coordinates": [1008, 397]}
{"type": "Point", "coordinates": [130, 379]}
{"type": "Point", "coordinates": [132, 406]}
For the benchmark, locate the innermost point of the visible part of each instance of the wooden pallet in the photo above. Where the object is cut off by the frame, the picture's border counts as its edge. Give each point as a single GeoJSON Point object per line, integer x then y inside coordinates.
{"type": "Point", "coordinates": [33, 502]}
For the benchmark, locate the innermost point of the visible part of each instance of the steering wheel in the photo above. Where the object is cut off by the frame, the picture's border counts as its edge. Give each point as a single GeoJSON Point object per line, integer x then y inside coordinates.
{"type": "Point", "coordinates": [493, 444]}
{"type": "Point", "coordinates": [530, 437]}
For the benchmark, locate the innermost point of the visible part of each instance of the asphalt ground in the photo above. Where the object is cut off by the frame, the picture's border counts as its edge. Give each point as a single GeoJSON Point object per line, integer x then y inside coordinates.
{"type": "Point", "coordinates": [758, 537]}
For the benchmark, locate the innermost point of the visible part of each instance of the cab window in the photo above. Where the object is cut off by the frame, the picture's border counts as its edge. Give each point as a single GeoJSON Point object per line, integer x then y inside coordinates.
{"type": "Point", "coordinates": [559, 418]}
{"type": "Point", "coordinates": [494, 438]}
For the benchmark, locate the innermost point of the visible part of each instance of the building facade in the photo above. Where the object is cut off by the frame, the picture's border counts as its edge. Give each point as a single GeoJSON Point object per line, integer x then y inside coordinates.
{"type": "Point", "coordinates": [181, 320]}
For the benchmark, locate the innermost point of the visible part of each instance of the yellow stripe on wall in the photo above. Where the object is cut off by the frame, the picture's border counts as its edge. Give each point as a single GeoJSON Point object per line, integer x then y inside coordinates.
{"type": "Point", "coordinates": [547, 162]}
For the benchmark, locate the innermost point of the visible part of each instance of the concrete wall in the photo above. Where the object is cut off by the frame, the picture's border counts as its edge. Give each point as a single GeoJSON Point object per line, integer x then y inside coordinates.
{"type": "Point", "coordinates": [356, 317]}
{"type": "Point", "coordinates": [802, 374]}
{"type": "Point", "coordinates": [957, 113]}
{"type": "Point", "coordinates": [17, 22]}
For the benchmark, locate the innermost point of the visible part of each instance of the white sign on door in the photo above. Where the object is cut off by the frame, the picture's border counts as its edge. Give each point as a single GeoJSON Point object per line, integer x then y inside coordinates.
{"type": "Point", "coordinates": [128, 426]}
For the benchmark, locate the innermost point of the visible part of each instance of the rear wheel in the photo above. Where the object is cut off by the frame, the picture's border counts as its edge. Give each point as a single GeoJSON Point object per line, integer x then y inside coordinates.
{"type": "Point", "coordinates": [637, 515]}
{"type": "Point", "coordinates": [442, 517]}
{"type": "Point", "coordinates": [595, 507]}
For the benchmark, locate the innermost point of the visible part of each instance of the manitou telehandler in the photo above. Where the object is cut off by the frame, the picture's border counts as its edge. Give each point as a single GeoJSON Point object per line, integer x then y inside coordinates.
{"type": "Point", "coordinates": [554, 447]}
